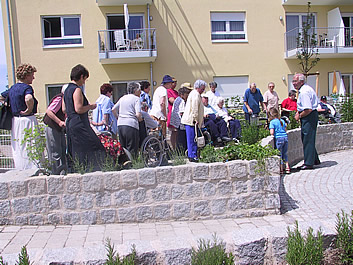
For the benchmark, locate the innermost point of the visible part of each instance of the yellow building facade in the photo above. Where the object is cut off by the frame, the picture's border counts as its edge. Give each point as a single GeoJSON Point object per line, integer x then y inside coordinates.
{"type": "Point", "coordinates": [233, 43]}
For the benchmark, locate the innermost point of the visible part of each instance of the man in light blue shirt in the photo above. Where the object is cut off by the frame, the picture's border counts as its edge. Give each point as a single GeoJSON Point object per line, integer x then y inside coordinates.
{"type": "Point", "coordinates": [307, 105]}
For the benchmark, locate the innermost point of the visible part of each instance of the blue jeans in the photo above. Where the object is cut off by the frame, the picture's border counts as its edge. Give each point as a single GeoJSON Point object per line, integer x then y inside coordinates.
{"type": "Point", "coordinates": [190, 139]}
{"type": "Point", "coordinates": [282, 146]}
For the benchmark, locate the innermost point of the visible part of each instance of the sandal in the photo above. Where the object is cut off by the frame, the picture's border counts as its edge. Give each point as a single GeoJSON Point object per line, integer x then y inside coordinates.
{"type": "Point", "coordinates": [287, 170]}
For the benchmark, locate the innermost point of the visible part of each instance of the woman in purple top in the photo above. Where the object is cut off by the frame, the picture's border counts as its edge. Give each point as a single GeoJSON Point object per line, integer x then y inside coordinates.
{"type": "Point", "coordinates": [23, 106]}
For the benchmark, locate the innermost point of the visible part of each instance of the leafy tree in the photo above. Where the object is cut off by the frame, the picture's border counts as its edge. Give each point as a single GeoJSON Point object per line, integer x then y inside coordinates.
{"type": "Point", "coordinates": [308, 52]}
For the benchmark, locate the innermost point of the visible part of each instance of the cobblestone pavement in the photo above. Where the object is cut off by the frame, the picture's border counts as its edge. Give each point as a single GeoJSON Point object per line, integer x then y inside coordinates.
{"type": "Point", "coordinates": [313, 197]}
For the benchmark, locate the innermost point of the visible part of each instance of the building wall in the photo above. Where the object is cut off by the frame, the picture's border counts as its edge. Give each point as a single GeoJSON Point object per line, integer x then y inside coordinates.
{"type": "Point", "coordinates": [184, 45]}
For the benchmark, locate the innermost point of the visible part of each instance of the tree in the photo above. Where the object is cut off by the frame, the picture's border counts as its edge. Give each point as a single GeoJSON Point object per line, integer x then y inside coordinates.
{"type": "Point", "coordinates": [307, 52]}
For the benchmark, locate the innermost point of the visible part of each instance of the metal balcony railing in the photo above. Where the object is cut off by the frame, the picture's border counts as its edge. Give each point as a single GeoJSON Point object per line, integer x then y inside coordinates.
{"type": "Point", "coordinates": [123, 40]}
{"type": "Point", "coordinates": [324, 37]}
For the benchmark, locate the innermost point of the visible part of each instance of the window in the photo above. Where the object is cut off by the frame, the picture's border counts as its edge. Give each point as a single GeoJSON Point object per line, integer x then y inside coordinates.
{"type": "Point", "coordinates": [348, 83]}
{"type": "Point", "coordinates": [61, 30]}
{"type": "Point", "coordinates": [294, 23]}
{"type": "Point", "coordinates": [228, 27]}
{"type": "Point", "coordinates": [344, 83]}
{"type": "Point", "coordinates": [53, 90]}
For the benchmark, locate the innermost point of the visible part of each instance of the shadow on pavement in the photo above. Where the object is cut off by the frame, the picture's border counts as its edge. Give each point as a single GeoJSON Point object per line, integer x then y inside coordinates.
{"type": "Point", "coordinates": [287, 203]}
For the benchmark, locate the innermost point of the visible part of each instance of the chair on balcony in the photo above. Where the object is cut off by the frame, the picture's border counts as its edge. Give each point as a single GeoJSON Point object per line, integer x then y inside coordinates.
{"type": "Point", "coordinates": [120, 40]}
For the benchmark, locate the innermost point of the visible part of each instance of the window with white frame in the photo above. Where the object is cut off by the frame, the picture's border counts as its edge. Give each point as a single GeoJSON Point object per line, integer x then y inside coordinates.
{"type": "Point", "coordinates": [53, 90]}
{"type": "Point", "coordinates": [61, 31]}
{"type": "Point", "coordinates": [228, 26]}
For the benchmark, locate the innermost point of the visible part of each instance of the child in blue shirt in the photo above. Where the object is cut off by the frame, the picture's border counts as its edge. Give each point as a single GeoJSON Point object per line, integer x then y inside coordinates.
{"type": "Point", "coordinates": [278, 130]}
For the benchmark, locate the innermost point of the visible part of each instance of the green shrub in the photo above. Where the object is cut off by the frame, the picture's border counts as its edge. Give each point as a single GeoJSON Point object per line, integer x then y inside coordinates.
{"type": "Point", "coordinates": [114, 259]}
{"type": "Point", "coordinates": [293, 122]}
{"type": "Point", "coordinates": [23, 258]}
{"type": "Point", "coordinates": [304, 250]}
{"type": "Point", "coordinates": [252, 133]}
{"type": "Point", "coordinates": [178, 157]}
{"type": "Point", "coordinates": [2, 262]}
{"type": "Point", "coordinates": [346, 109]}
{"type": "Point", "coordinates": [344, 229]}
{"type": "Point", "coordinates": [110, 165]}
{"type": "Point", "coordinates": [208, 253]}
{"type": "Point", "coordinates": [34, 139]}
{"type": "Point", "coordinates": [209, 154]}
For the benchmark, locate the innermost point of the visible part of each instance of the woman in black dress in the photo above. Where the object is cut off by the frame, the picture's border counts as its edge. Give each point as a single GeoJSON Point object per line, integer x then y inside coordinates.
{"type": "Point", "coordinates": [84, 147]}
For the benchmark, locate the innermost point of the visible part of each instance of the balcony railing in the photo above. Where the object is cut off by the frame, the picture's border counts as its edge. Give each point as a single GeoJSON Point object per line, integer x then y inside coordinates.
{"type": "Point", "coordinates": [325, 38]}
{"type": "Point", "coordinates": [125, 44]}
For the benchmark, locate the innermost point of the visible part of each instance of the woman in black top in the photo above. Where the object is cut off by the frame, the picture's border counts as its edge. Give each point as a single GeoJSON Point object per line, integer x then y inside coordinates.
{"type": "Point", "coordinates": [23, 106]}
{"type": "Point", "coordinates": [84, 147]}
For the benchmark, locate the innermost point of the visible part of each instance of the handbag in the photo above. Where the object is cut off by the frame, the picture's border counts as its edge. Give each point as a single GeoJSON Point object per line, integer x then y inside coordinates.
{"type": "Point", "coordinates": [200, 140]}
{"type": "Point", "coordinates": [6, 115]}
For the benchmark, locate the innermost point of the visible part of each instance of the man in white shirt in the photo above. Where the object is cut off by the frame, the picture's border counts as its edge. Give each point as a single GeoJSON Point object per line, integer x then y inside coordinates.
{"type": "Point", "coordinates": [213, 94]}
{"type": "Point", "coordinates": [159, 103]}
{"type": "Point", "coordinates": [307, 105]}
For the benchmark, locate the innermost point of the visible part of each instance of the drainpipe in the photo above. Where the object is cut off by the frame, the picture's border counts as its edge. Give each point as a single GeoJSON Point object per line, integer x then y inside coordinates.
{"type": "Point", "coordinates": [151, 72]}
{"type": "Point", "coordinates": [11, 44]}
{"type": "Point", "coordinates": [149, 44]}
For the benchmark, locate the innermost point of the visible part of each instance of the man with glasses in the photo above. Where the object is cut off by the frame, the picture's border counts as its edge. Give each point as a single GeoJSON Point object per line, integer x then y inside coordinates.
{"type": "Point", "coordinates": [307, 105]}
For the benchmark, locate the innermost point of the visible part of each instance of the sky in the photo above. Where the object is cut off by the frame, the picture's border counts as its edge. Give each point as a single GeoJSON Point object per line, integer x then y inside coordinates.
{"type": "Point", "coordinates": [3, 68]}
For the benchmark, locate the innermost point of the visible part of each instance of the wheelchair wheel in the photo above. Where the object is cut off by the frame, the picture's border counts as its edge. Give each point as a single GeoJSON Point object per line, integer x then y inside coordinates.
{"type": "Point", "coordinates": [152, 151]}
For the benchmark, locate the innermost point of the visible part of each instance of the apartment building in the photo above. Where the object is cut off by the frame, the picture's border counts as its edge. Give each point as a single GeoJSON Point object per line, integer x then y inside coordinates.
{"type": "Point", "coordinates": [231, 42]}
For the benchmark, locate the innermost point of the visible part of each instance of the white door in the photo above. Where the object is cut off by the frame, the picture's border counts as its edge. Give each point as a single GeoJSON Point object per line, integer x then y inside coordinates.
{"type": "Point", "coordinates": [335, 21]}
{"type": "Point", "coordinates": [232, 86]}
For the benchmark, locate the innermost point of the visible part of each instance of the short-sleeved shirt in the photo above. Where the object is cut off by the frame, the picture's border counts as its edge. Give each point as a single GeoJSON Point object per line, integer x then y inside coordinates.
{"type": "Point", "coordinates": [17, 94]}
{"type": "Point", "coordinates": [307, 98]}
{"type": "Point", "coordinates": [271, 99]}
{"type": "Point", "coordinates": [253, 100]}
{"type": "Point", "coordinates": [127, 107]}
{"type": "Point", "coordinates": [56, 104]}
{"type": "Point", "coordinates": [279, 129]}
{"type": "Point", "coordinates": [144, 97]}
{"type": "Point", "coordinates": [156, 111]}
{"type": "Point", "coordinates": [289, 104]}
{"type": "Point", "coordinates": [104, 106]}
{"type": "Point", "coordinates": [213, 98]}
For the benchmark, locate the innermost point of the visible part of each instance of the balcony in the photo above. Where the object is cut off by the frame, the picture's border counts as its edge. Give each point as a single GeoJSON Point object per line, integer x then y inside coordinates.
{"type": "Point", "coordinates": [122, 2]}
{"type": "Point", "coordinates": [316, 2]}
{"type": "Point", "coordinates": [333, 42]}
{"type": "Point", "coordinates": [127, 46]}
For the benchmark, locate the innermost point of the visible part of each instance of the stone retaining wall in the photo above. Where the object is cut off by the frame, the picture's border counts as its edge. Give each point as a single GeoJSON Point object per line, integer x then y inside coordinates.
{"type": "Point", "coordinates": [188, 192]}
{"type": "Point", "coordinates": [329, 138]}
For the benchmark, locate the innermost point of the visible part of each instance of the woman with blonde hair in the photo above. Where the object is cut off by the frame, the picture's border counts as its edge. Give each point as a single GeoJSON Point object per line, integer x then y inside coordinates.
{"type": "Point", "coordinates": [23, 106]}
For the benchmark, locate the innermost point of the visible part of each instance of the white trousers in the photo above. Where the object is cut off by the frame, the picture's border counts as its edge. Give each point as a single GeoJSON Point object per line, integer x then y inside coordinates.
{"type": "Point", "coordinates": [19, 152]}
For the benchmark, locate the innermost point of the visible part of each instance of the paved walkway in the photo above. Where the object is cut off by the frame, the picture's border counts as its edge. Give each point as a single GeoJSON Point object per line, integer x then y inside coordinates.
{"type": "Point", "coordinates": [312, 197]}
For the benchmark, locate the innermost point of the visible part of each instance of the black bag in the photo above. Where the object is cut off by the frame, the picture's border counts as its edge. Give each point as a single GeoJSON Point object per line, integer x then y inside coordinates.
{"type": "Point", "coordinates": [6, 115]}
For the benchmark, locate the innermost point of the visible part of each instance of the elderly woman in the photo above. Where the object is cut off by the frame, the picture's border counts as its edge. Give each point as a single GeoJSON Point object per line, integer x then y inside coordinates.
{"type": "Point", "coordinates": [128, 112]}
{"type": "Point", "coordinates": [193, 116]}
{"type": "Point", "coordinates": [103, 118]}
{"type": "Point", "coordinates": [84, 146]}
{"type": "Point", "coordinates": [233, 124]}
{"type": "Point", "coordinates": [23, 106]}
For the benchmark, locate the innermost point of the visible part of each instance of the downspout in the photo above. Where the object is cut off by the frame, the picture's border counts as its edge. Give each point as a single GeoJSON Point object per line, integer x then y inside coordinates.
{"type": "Point", "coordinates": [11, 44]}
{"type": "Point", "coordinates": [150, 45]}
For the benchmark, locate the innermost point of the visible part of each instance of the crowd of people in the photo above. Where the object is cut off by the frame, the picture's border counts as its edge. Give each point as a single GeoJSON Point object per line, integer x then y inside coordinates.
{"type": "Point", "coordinates": [181, 112]}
